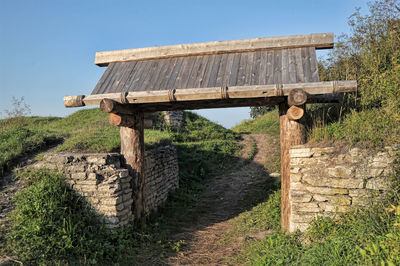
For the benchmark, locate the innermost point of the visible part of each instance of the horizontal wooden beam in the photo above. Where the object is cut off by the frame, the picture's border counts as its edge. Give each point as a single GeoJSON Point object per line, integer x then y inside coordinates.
{"type": "Point", "coordinates": [209, 94]}
{"type": "Point", "coordinates": [317, 40]}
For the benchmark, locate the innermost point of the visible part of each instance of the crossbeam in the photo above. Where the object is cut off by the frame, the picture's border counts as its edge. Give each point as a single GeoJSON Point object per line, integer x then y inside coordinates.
{"type": "Point", "coordinates": [222, 95]}
{"type": "Point", "coordinates": [317, 40]}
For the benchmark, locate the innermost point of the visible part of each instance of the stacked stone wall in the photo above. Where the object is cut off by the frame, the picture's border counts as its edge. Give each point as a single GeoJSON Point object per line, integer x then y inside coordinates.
{"type": "Point", "coordinates": [325, 183]}
{"type": "Point", "coordinates": [161, 168]}
{"type": "Point", "coordinates": [106, 184]}
{"type": "Point", "coordinates": [174, 118]}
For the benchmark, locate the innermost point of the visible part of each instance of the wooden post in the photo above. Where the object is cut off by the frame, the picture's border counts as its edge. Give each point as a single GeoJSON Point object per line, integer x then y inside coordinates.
{"type": "Point", "coordinates": [292, 132]}
{"type": "Point", "coordinates": [132, 148]}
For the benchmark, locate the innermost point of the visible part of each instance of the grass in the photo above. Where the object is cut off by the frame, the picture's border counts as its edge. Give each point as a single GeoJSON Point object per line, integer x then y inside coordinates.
{"type": "Point", "coordinates": [265, 124]}
{"type": "Point", "coordinates": [84, 131]}
{"type": "Point", "coordinates": [53, 225]}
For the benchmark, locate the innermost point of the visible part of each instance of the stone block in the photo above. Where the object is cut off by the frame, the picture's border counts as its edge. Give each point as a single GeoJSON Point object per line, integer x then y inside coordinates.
{"type": "Point", "coordinates": [295, 170]}
{"type": "Point", "coordinates": [301, 153]}
{"type": "Point", "coordinates": [78, 175]}
{"type": "Point", "coordinates": [296, 196]}
{"type": "Point", "coordinates": [333, 182]}
{"type": "Point", "coordinates": [327, 190]}
{"type": "Point", "coordinates": [378, 183]}
{"type": "Point", "coordinates": [340, 172]}
{"type": "Point", "coordinates": [302, 217]}
{"type": "Point", "coordinates": [302, 227]}
{"type": "Point", "coordinates": [295, 177]}
{"type": "Point", "coordinates": [306, 207]}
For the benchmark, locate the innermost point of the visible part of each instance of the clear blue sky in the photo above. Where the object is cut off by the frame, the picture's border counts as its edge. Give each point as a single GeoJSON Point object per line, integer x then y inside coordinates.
{"type": "Point", "coordinates": [47, 48]}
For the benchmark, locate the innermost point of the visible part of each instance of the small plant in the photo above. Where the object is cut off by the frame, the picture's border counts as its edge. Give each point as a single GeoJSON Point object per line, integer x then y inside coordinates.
{"type": "Point", "coordinates": [19, 108]}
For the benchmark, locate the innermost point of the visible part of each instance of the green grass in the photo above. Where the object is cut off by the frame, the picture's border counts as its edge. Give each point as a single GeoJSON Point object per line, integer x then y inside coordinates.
{"type": "Point", "coordinates": [53, 225]}
{"type": "Point", "coordinates": [84, 131]}
{"type": "Point", "coordinates": [265, 124]}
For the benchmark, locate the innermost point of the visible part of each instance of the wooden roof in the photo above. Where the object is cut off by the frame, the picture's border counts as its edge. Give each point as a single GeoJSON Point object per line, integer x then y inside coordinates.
{"type": "Point", "coordinates": [248, 72]}
{"type": "Point", "coordinates": [264, 67]}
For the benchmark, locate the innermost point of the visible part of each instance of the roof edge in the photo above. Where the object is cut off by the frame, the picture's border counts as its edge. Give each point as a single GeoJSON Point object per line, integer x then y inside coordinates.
{"type": "Point", "coordinates": [317, 40]}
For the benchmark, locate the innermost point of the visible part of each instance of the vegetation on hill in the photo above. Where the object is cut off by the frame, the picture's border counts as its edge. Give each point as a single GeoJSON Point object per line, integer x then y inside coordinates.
{"type": "Point", "coordinates": [267, 123]}
{"type": "Point", "coordinates": [371, 55]}
{"type": "Point", "coordinates": [52, 224]}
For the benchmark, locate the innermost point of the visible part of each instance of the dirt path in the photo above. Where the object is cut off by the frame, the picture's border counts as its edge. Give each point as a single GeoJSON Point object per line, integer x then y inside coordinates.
{"type": "Point", "coordinates": [224, 198]}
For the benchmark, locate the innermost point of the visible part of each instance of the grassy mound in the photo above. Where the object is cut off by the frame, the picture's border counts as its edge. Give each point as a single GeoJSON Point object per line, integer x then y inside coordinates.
{"type": "Point", "coordinates": [53, 225]}
{"type": "Point", "coordinates": [265, 124]}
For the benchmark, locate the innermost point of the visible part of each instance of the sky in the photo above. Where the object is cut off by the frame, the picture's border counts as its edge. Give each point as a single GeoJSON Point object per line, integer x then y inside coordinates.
{"type": "Point", "coordinates": [47, 48]}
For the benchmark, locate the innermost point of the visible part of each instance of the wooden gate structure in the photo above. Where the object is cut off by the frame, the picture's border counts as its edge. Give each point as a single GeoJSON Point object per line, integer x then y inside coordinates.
{"type": "Point", "coordinates": [251, 72]}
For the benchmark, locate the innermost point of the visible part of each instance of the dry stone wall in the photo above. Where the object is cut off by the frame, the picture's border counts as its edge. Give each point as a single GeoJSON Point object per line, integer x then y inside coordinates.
{"type": "Point", "coordinates": [161, 168]}
{"type": "Point", "coordinates": [324, 183]}
{"type": "Point", "coordinates": [174, 118]}
{"type": "Point", "coordinates": [103, 181]}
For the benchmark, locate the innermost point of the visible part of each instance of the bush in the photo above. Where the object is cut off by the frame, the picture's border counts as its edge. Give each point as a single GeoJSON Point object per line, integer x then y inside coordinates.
{"type": "Point", "coordinates": [371, 55]}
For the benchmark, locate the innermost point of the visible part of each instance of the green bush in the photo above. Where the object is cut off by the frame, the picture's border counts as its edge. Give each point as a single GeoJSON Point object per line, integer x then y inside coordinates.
{"type": "Point", "coordinates": [371, 55]}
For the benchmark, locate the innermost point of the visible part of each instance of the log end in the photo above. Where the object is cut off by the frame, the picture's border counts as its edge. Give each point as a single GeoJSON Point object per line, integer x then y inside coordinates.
{"type": "Point", "coordinates": [295, 113]}
{"type": "Point", "coordinates": [74, 101]}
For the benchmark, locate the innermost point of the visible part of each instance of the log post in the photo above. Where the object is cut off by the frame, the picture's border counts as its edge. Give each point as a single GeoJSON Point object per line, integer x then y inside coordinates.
{"type": "Point", "coordinates": [132, 148]}
{"type": "Point", "coordinates": [292, 132]}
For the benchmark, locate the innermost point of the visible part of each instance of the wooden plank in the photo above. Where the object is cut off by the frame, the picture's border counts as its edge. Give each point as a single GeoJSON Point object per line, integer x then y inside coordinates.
{"type": "Point", "coordinates": [221, 71]}
{"type": "Point", "coordinates": [285, 66]}
{"type": "Point", "coordinates": [320, 41]}
{"type": "Point", "coordinates": [292, 67]}
{"type": "Point", "coordinates": [249, 69]}
{"type": "Point", "coordinates": [277, 67]}
{"type": "Point", "coordinates": [242, 70]}
{"type": "Point", "coordinates": [207, 74]}
{"type": "Point", "coordinates": [195, 94]}
{"type": "Point", "coordinates": [299, 66]}
{"type": "Point", "coordinates": [214, 71]}
{"type": "Point", "coordinates": [146, 79]}
{"type": "Point", "coordinates": [184, 74]}
{"type": "Point", "coordinates": [194, 71]}
{"type": "Point", "coordinates": [314, 65]}
{"type": "Point", "coordinates": [305, 58]}
{"type": "Point", "coordinates": [292, 132]}
{"type": "Point", "coordinates": [132, 148]}
{"type": "Point", "coordinates": [256, 69]}
{"type": "Point", "coordinates": [174, 74]}
{"type": "Point", "coordinates": [201, 72]}
{"type": "Point", "coordinates": [99, 86]}
{"type": "Point", "coordinates": [234, 70]}
{"type": "Point", "coordinates": [168, 73]}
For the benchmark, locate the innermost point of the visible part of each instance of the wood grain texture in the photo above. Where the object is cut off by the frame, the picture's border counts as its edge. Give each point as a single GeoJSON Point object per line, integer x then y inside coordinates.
{"type": "Point", "coordinates": [234, 69]}
{"type": "Point", "coordinates": [132, 148]}
{"type": "Point", "coordinates": [291, 133]}
{"type": "Point", "coordinates": [198, 94]}
{"type": "Point", "coordinates": [319, 41]}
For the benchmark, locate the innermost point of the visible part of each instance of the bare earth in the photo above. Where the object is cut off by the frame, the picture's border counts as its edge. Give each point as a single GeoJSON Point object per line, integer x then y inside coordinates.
{"type": "Point", "coordinates": [224, 197]}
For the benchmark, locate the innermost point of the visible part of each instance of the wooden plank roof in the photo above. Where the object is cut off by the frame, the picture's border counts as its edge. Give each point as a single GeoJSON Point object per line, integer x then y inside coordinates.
{"type": "Point", "coordinates": [249, 72]}
{"type": "Point", "coordinates": [265, 67]}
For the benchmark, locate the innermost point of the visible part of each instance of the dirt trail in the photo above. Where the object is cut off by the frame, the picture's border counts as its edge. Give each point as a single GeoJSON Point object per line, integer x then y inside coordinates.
{"type": "Point", "coordinates": [224, 197]}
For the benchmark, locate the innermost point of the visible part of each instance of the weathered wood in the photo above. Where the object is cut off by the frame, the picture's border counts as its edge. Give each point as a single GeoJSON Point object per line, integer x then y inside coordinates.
{"type": "Point", "coordinates": [297, 97]}
{"type": "Point", "coordinates": [132, 148]}
{"type": "Point", "coordinates": [124, 120]}
{"type": "Point", "coordinates": [74, 101]}
{"type": "Point", "coordinates": [234, 92]}
{"type": "Point", "coordinates": [295, 112]}
{"type": "Point", "coordinates": [319, 41]}
{"type": "Point", "coordinates": [291, 133]}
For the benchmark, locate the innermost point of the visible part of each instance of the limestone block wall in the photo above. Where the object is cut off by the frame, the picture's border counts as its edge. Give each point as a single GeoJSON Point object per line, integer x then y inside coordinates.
{"type": "Point", "coordinates": [106, 184]}
{"type": "Point", "coordinates": [162, 169]}
{"type": "Point", "coordinates": [100, 179]}
{"type": "Point", "coordinates": [324, 182]}
{"type": "Point", "coordinates": [174, 118]}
